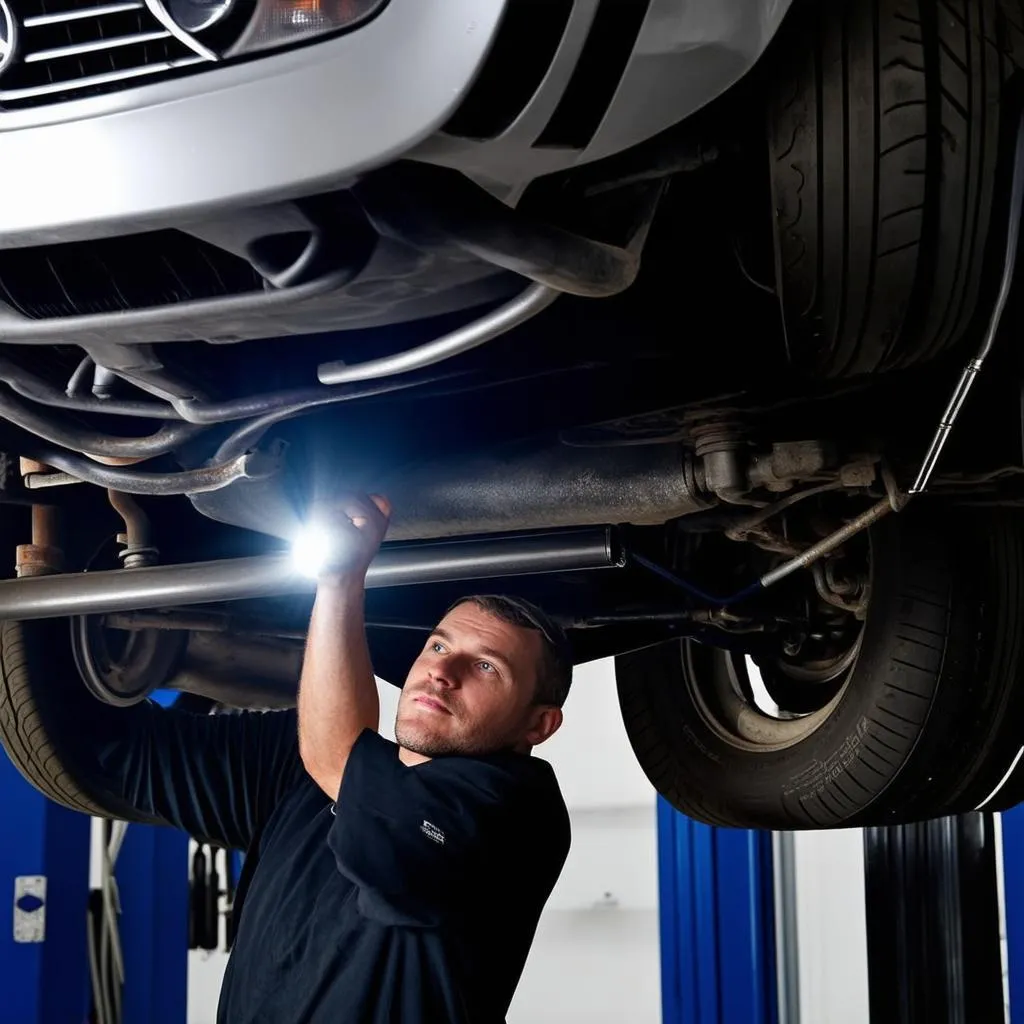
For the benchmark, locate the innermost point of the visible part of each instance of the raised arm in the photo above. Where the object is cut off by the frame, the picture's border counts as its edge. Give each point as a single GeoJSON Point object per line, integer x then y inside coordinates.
{"type": "Point", "coordinates": [337, 693]}
{"type": "Point", "coordinates": [217, 777]}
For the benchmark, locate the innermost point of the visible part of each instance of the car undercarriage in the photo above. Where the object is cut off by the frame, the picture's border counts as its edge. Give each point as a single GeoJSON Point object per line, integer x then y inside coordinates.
{"type": "Point", "coordinates": [680, 393]}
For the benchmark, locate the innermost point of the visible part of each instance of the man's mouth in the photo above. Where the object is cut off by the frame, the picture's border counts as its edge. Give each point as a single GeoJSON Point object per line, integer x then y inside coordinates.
{"type": "Point", "coordinates": [431, 704]}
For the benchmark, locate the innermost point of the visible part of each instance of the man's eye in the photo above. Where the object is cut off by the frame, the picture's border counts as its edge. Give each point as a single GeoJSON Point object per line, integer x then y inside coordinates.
{"type": "Point", "coordinates": [486, 666]}
{"type": "Point", "coordinates": [437, 647]}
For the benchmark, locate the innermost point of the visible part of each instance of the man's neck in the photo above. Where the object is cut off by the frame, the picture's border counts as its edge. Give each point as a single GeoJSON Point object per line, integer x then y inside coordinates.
{"type": "Point", "coordinates": [410, 758]}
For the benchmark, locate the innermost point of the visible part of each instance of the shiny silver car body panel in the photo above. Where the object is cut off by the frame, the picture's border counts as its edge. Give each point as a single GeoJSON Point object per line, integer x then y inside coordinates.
{"type": "Point", "coordinates": [235, 137]}
{"type": "Point", "coordinates": [285, 125]}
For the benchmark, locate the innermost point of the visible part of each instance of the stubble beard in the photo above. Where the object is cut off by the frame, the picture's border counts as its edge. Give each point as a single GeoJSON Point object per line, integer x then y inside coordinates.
{"type": "Point", "coordinates": [421, 741]}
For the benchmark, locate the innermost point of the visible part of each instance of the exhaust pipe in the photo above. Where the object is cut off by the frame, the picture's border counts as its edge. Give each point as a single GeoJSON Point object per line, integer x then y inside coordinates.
{"type": "Point", "coordinates": [241, 672]}
{"type": "Point", "coordinates": [234, 579]}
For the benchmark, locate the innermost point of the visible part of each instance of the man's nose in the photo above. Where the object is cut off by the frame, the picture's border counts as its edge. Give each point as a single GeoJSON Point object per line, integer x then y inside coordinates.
{"type": "Point", "coordinates": [446, 672]}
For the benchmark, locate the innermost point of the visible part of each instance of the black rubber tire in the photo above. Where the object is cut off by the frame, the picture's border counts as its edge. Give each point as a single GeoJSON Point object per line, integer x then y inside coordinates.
{"type": "Point", "coordinates": [927, 724]}
{"type": "Point", "coordinates": [43, 706]}
{"type": "Point", "coordinates": [886, 134]}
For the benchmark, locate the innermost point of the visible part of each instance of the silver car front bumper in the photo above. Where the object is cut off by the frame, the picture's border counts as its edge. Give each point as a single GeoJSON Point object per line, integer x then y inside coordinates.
{"type": "Point", "coordinates": [285, 125]}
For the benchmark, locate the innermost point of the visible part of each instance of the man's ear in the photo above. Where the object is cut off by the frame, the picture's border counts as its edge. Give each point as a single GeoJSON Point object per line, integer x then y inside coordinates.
{"type": "Point", "coordinates": [546, 721]}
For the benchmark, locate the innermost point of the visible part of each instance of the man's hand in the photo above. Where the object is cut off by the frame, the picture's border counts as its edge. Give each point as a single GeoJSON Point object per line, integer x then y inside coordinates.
{"type": "Point", "coordinates": [356, 527]}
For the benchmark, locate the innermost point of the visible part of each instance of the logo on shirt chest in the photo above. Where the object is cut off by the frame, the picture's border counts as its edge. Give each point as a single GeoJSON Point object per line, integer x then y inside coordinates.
{"type": "Point", "coordinates": [431, 831]}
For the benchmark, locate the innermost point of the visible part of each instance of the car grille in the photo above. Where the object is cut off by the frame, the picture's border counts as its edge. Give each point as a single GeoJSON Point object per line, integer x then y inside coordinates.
{"type": "Point", "coordinates": [72, 48]}
{"type": "Point", "coordinates": [158, 268]}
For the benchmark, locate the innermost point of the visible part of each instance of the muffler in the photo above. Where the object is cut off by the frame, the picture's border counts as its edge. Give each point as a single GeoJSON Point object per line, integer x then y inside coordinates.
{"type": "Point", "coordinates": [534, 486]}
{"type": "Point", "coordinates": [234, 579]}
{"type": "Point", "coordinates": [528, 487]}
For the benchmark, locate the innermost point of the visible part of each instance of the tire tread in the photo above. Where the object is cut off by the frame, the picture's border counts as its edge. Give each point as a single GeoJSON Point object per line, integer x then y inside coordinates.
{"type": "Point", "coordinates": [938, 721]}
{"type": "Point", "coordinates": [883, 207]}
{"type": "Point", "coordinates": [24, 730]}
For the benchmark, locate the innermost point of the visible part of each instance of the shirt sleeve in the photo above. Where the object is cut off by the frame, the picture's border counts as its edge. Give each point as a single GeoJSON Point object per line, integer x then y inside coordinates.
{"type": "Point", "coordinates": [217, 777]}
{"type": "Point", "coordinates": [421, 842]}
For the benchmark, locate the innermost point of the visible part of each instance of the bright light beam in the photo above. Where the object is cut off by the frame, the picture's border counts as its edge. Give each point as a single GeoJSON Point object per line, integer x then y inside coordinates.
{"type": "Point", "coordinates": [312, 547]}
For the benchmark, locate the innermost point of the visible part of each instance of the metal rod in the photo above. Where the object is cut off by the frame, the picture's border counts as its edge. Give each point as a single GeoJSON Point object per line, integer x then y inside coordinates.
{"type": "Point", "coordinates": [971, 370]}
{"type": "Point", "coordinates": [82, 439]}
{"type": "Point", "coordinates": [37, 481]}
{"type": "Point", "coordinates": [190, 481]}
{"type": "Point", "coordinates": [801, 561]}
{"type": "Point", "coordinates": [830, 543]}
{"type": "Point", "coordinates": [28, 385]}
{"type": "Point", "coordinates": [273, 575]}
{"type": "Point", "coordinates": [200, 622]}
{"type": "Point", "coordinates": [526, 305]}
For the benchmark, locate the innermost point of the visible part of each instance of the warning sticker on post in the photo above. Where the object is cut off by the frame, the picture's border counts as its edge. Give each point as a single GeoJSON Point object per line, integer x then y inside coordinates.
{"type": "Point", "coordinates": [30, 908]}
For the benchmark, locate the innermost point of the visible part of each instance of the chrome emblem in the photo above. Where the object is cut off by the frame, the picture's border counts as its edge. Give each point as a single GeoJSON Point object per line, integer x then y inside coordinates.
{"type": "Point", "coordinates": [162, 15]}
{"type": "Point", "coordinates": [8, 36]}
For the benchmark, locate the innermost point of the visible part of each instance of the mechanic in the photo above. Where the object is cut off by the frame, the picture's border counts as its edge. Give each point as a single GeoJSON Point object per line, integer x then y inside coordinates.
{"type": "Point", "coordinates": [383, 882]}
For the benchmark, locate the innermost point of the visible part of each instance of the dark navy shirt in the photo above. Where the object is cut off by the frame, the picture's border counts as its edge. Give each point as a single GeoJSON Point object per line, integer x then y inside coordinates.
{"type": "Point", "coordinates": [413, 897]}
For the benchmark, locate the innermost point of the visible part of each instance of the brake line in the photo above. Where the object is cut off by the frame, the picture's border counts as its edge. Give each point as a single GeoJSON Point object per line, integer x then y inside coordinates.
{"type": "Point", "coordinates": [896, 502]}
{"type": "Point", "coordinates": [972, 369]}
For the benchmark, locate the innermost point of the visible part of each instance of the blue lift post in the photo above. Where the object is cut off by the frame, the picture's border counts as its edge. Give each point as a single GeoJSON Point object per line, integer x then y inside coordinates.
{"type": "Point", "coordinates": [43, 982]}
{"type": "Point", "coordinates": [47, 982]}
{"type": "Point", "coordinates": [717, 923]}
{"type": "Point", "coordinates": [1013, 896]}
{"type": "Point", "coordinates": [152, 879]}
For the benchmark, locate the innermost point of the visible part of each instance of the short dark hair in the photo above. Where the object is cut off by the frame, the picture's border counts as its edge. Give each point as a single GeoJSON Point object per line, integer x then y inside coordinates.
{"type": "Point", "coordinates": [554, 673]}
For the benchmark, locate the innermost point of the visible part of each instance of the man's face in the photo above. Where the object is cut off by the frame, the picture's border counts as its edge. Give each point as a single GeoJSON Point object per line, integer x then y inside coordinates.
{"type": "Point", "coordinates": [471, 690]}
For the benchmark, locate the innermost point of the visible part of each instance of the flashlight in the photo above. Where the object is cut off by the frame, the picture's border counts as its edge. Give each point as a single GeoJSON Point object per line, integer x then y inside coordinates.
{"type": "Point", "coordinates": [312, 547]}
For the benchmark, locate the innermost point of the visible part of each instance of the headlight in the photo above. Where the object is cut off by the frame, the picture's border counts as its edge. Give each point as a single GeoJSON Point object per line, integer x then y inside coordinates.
{"type": "Point", "coordinates": [282, 22]}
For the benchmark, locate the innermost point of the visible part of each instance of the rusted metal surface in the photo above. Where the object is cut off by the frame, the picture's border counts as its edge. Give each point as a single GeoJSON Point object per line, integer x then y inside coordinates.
{"type": "Point", "coordinates": [830, 543]}
{"type": "Point", "coordinates": [44, 555]}
{"type": "Point", "coordinates": [251, 465]}
{"type": "Point", "coordinates": [39, 481]}
{"type": "Point", "coordinates": [137, 539]}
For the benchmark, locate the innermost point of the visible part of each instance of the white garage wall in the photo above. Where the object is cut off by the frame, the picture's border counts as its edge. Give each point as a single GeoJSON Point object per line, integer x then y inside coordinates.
{"type": "Point", "coordinates": [206, 971]}
{"type": "Point", "coordinates": [831, 926]}
{"type": "Point", "coordinates": [596, 954]}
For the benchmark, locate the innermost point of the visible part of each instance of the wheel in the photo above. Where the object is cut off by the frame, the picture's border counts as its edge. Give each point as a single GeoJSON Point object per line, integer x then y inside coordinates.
{"type": "Point", "coordinates": [885, 134]}
{"type": "Point", "coordinates": [43, 704]}
{"type": "Point", "coordinates": [913, 713]}
{"type": "Point", "coordinates": [122, 667]}
{"type": "Point", "coordinates": [59, 678]}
